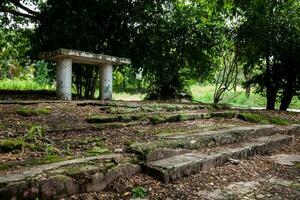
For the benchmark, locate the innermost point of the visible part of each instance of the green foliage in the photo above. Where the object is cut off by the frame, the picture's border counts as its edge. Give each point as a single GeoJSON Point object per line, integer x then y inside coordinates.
{"type": "Point", "coordinates": [139, 192]}
{"type": "Point", "coordinates": [269, 44]}
{"type": "Point", "coordinates": [42, 73]}
{"type": "Point", "coordinates": [14, 45]}
{"type": "Point", "coordinates": [126, 79]}
{"type": "Point", "coordinates": [173, 49]}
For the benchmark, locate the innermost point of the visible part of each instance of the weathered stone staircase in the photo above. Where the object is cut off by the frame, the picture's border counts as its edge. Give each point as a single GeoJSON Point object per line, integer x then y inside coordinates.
{"type": "Point", "coordinates": [170, 157]}
{"type": "Point", "coordinates": [180, 156]}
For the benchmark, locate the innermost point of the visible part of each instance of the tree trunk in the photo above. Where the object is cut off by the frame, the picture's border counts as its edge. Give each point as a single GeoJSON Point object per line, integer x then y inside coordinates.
{"type": "Point", "coordinates": [286, 99]}
{"type": "Point", "coordinates": [270, 87]}
{"type": "Point", "coordinates": [288, 91]}
{"type": "Point", "coordinates": [248, 90]}
{"type": "Point", "coordinates": [248, 84]}
{"type": "Point", "coordinates": [271, 98]}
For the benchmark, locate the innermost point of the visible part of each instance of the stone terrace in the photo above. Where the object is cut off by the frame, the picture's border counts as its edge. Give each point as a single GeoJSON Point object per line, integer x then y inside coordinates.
{"type": "Point", "coordinates": [54, 149]}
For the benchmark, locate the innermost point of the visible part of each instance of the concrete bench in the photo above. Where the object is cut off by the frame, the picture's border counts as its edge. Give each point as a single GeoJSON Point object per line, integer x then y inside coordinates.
{"type": "Point", "coordinates": [64, 59]}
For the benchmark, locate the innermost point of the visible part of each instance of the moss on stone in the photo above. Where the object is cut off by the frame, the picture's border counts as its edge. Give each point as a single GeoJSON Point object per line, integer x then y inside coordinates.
{"type": "Point", "coordinates": [2, 126]}
{"type": "Point", "coordinates": [102, 119]}
{"type": "Point", "coordinates": [44, 160]}
{"type": "Point", "coordinates": [262, 119]}
{"type": "Point", "coordinates": [27, 112]}
{"type": "Point", "coordinates": [157, 119]}
{"type": "Point", "coordinates": [4, 167]}
{"type": "Point", "coordinates": [295, 186]}
{"type": "Point", "coordinates": [95, 151]}
{"type": "Point", "coordinates": [9, 145]}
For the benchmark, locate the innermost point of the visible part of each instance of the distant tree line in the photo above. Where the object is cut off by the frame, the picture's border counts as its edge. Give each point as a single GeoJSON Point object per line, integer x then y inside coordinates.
{"type": "Point", "coordinates": [172, 43]}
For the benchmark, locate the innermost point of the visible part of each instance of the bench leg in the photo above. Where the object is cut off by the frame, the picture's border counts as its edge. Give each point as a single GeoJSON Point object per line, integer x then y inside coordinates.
{"type": "Point", "coordinates": [106, 79]}
{"type": "Point", "coordinates": [64, 79]}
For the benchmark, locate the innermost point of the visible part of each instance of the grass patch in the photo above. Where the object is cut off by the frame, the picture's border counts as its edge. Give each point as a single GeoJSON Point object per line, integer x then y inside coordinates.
{"type": "Point", "coordinates": [17, 84]}
{"type": "Point", "coordinates": [262, 119]}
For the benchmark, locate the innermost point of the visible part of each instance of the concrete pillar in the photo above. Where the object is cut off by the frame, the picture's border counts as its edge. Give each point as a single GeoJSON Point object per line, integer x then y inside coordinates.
{"type": "Point", "coordinates": [64, 79]}
{"type": "Point", "coordinates": [106, 81]}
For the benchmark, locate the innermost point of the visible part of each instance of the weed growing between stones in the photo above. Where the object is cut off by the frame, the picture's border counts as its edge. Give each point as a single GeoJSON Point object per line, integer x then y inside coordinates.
{"type": "Point", "coordinates": [139, 192]}
{"type": "Point", "coordinates": [35, 134]}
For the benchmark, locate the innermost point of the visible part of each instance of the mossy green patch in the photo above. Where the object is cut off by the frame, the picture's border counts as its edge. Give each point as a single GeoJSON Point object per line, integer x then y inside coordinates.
{"type": "Point", "coordinates": [4, 167]}
{"type": "Point", "coordinates": [9, 145]}
{"type": "Point", "coordinates": [262, 119]}
{"type": "Point", "coordinates": [157, 119]}
{"type": "Point", "coordinates": [95, 151]}
{"type": "Point", "coordinates": [44, 160]}
{"type": "Point", "coordinates": [2, 126]}
{"type": "Point", "coordinates": [295, 186]}
{"type": "Point", "coordinates": [278, 121]}
{"type": "Point", "coordinates": [27, 112]}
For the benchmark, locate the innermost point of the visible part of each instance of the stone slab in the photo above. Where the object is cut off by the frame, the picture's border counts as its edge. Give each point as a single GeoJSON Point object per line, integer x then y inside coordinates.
{"type": "Point", "coordinates": [200, 140]}
{"type": "Point", "coordinates": [58, 183]}
{"type": "Point", "coordinates": [36, 170]}
{"type": "Point", "coordinates": [83, 57]}
{"type": "Point", "coordinates": [286, 159]}
{"type": "Point", "coordinates": [177, 167]}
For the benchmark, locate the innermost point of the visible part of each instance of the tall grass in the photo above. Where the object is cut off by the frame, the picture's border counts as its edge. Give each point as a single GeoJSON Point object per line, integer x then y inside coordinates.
{"type": "Point", "coordinates": [205, 94]}
{"type": "Point", "coordinates": [17, 84]}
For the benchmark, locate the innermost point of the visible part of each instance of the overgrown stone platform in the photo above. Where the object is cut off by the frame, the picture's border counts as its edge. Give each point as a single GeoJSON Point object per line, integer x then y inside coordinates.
{"type": "Point", "coordinates": [53, 150]}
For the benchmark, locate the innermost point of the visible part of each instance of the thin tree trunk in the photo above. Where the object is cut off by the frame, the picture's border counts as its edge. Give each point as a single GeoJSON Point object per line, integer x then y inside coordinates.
{"type": "Point", "coordinates": [271, 91]}
{"type": "Point", "coordinates": [288, 91]}
{"type": "Point", "coordinates": [286, 99]}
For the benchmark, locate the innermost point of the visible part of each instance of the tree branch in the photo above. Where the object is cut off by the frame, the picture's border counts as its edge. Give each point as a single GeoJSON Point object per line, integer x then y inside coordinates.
{"type": "Point", "coordinates": [18, 4]}
{"type": "Point", "coordinates": [17, 13]}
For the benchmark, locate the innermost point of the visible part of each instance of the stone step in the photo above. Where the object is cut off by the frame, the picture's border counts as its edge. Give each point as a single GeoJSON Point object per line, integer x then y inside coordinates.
{"type": "Point", "coordinates": [160, 117]}
{"type": "Point", "coordinates": [174, 145]}
{"type": "Point", "coordinates": [58, 180]}
{"type": "Point", "coordinates": [180, 166]}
